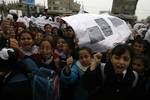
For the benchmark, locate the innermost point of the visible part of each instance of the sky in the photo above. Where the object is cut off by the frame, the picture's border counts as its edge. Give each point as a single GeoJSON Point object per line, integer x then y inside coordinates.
{"type": "Point", "coordinates": [95, 6]}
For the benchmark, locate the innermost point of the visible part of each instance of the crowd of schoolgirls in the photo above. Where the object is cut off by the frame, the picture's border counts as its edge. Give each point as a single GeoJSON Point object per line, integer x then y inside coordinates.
{"type": "Point", "coordinates": [49, 65]}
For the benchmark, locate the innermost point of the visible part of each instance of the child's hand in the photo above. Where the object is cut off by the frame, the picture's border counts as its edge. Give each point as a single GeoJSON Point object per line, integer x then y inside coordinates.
{"type": "Point", "coordinates": [69, 63]}
{"type": "Point", "coordinates": [14, 43]}
{"type": "Point", "coordinates": [95, 61]}
{"type": "Point", "coordinates": [97, 57]}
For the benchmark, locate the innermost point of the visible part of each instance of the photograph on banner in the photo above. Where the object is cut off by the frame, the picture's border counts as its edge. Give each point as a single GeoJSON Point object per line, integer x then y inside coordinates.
{"type": "Point", "coordinates": [99, 32]}
{"type": "Point", "coordinates": [116, 21]}
{"type": "Point", "coordinates": [95, 34]}
{"type": "Point", "coordinates": [104, 26]}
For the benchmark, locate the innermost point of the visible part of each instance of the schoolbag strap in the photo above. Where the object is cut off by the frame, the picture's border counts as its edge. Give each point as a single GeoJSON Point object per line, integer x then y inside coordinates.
{"type": "Point", "coordinates": [9, 77]}
{"type": "Point", "coordinates": [136, 79]}
{"type": "Point", "coordinates": [102, 67]}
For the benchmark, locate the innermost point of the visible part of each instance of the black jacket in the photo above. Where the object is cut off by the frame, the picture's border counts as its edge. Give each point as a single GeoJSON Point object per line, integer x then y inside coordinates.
{"type": "Point", "coordinates": [109, 85]}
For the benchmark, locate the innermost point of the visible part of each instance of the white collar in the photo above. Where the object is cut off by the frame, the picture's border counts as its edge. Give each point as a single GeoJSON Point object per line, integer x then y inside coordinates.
{"type": "Point", "coordinates": [48, 61]}
{"type": "Point", "coordinates": [124, 73]}
{"type": "Point", "coordinates": [83, 68]}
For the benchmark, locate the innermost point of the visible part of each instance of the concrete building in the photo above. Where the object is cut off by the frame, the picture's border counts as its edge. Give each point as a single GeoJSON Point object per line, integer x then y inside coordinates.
{"type": "Point", "coordinates": [63, 7]}
{"type": "Point", "coordinates": [124, 6]}
{"type": "Point", "coordinates": [20, 5]}
{"type": "Point", "coordinates": [125, 9]}
{"type": "Point", "coordinates": [55, 7]}
{"type": "Point", "coordinates": [26, 8]}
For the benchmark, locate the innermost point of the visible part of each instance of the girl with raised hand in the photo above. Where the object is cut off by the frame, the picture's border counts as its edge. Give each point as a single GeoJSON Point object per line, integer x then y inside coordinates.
{"type": "Point", "coordinates": [116, 78]}
{"type": "Point", "coordinates": [71, 76]}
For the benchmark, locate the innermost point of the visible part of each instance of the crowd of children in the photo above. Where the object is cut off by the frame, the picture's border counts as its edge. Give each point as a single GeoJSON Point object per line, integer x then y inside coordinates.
{"type": "Point", "coordinates": [48, 64]}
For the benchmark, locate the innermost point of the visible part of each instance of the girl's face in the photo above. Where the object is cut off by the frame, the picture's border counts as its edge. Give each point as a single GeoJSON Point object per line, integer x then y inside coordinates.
{"type": "Point", "coordinates": [138, 65]}
{"type": "Point", "coordinates": [46, 49]}
{"type": "Point", "coordinates": [67, 49]}
{"type": "Point", "coordinates": [69, 33]}
{"type": "Point", "coordinates": [120, 63]}
{"type": "Point", "coordinates": [26, 41]}
{"type": "Point", "coordinates": [48, 28]}
{"type": "Point", "coordinates": [139, 48]}
{"type": "Point", "coordinates": [84, 57]}
{"type": "Point", "coordinates": [12, 32]}
{"type": "Point", "coordinates": [7, 31]}
{"type": "Point", "coordinates": [55, 31]}
{"type": "Point", "coordinates": [38, 37]}
{"type": "Point", "coordinates": [20, 29]}
{"type": "Point", "coordinates": [60, 44]}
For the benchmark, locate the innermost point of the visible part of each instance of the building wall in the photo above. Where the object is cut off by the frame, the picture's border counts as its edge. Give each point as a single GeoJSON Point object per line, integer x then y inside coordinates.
{"type": "Point", "coordinates": [125, 9]}
{"type": "Point", "coordinates": [59, 7]}
{"type": "Point", "coordinates": [26, 9]}
{"type": "Point", "coordinates": [62, 6]}
{"type": "Point", "coordinates": [124, 6]}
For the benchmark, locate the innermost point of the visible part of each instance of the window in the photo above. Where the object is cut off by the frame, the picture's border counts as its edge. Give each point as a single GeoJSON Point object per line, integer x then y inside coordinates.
{"type": "Point", "coordinates": [126, 7]}
{"type": "Point", "coordinates": [49, 2]}
{"type": "Point", "coordinates": [61, 8]}
{"type": "Point", "coordinates": [57, 2]}
{"type": "Point", "coordinates": [55, 8]}
{"type": "Point", "coordinates": [95, 34]}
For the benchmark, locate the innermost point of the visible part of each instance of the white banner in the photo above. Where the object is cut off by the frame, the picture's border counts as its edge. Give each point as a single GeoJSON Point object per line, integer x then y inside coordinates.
{"type": "Point", "coordinates": [99, 32]}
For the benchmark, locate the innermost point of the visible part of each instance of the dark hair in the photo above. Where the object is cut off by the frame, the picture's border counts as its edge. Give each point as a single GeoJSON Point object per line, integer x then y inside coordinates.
{"type": "Point", "coordinates": [26, 32]}
{"type": "Point", "coordinates": [121, 49]}
{"type": "Point", "coordinates": [70, 44]}
{"type": "Point", "coordinates": [49, 39]}
{"type": "Point", "coordinates": [87, 49]}
{"type": "Point", "coordinates": [60, 38]}
{"type": "Point", "coordinates": [144, 59]}
{"type": "Point", "coordinates": [69, 27]}
{"type": "Point", "coordinates": [118, 50]}
{"type": "Point", "coordinates": [47, 25]}
{"type": "Point", "coordinates": [40, 31]}
{"type": "Point", "coordinates": [55, 28]}
{"type": "Point", "coordinates": [140, 41]}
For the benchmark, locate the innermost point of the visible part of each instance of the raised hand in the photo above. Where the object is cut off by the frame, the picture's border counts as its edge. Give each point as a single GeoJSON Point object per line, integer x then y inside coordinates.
{"type": "Point", "coordinates": [95, 61]}
{"type": "Point", "coordinates": [14, 43]}
{"type": "Point", "coordinates": [69, 63]}
{"type": "Point", "coordinates": [97, 57]}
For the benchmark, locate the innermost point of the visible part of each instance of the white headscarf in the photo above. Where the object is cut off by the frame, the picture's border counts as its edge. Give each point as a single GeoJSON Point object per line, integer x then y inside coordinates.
{"type": "Point", "coordinates": [147, 36]}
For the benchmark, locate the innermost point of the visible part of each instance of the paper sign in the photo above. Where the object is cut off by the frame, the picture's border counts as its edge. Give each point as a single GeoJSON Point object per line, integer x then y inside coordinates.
{"type": "Point", "coordinates": [99, 32]}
